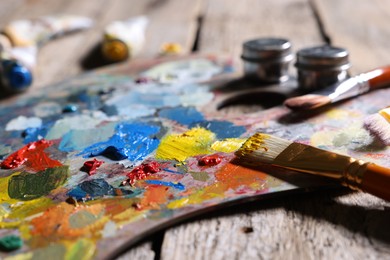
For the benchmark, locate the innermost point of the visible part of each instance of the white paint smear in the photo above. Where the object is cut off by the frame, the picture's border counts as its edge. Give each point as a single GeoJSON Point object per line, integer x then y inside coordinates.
{"type": "Point", "coordinates": [22, 123]}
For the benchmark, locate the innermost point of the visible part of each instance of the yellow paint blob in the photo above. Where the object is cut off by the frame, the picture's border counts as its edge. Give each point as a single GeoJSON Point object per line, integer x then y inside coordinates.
{"type": "Point", "coordinates": [178, 203]}
{"type": "Point", "coordinates": [179, 147]}
{"type": "Point", "coordinates": [228, 145]}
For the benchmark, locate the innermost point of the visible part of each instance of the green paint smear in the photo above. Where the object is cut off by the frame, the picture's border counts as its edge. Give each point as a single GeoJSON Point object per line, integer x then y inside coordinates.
{"type": "Point", "coordinates": [83, 249]}
{"type": "Point", "coordinates": [82, 219]}
{"type": "Point", "coordinates": [10, 243]}
{"type": "Point", "coordinates": [200, 176]}
{"type": "Point", "coordinates": [29, 186]}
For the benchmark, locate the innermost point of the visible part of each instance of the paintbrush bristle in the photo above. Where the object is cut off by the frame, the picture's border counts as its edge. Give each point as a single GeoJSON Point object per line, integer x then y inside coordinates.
{"type": "Point", "coordinates": [307, 102]}
{"type": "Point", "coordinates": [262, 148]}
{"type": "Point", "coordinates": [379, 125]}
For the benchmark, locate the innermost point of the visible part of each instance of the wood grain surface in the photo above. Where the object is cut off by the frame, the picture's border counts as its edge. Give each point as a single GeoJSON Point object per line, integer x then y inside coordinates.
{"type": "Point", "coordinates": [336, 224]}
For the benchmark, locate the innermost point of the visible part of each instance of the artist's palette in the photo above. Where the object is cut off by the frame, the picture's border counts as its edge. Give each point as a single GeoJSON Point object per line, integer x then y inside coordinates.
{"type": "Point", "coordinates": [93, 164]}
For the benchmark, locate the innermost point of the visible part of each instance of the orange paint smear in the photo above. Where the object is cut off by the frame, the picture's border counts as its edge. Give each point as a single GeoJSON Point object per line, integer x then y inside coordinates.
{"type": "Point", "coordinates": [234, 176]}
{"type": "Point", "coordinates": [32, 156]}
{"type": "Point", "coordinates": [54, 223]}
{"type": "Point", "coordinates": [154, 196]}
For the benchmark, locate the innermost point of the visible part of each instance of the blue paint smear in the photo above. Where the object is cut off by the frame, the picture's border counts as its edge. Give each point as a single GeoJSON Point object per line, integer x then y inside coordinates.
{"type": "Point", "coordinates": [133, 141]}
{"type": "Point", "coordinates": [223, 129]}
{"type": "Point", "coordinates": [183, 115]}
{"type": "Point", "coordinates": [178, 185]}
{"type": "Point", "coordinates": [94, 188]}
{"type": "Point", "coordinates": [33, 134]}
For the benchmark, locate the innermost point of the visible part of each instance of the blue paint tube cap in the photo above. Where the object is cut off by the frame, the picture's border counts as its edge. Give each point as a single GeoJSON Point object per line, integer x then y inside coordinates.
{"type": "Point", "coordinates": [18, 77]}
{"type": "Point", "coordinates": [15, 76]}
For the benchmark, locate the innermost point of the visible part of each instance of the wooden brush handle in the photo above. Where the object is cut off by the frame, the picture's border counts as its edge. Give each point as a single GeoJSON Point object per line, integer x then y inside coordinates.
{"type": "Point", "coordinates": [376, 181]}
{"type": "Point", "coordinates": [378, 78]}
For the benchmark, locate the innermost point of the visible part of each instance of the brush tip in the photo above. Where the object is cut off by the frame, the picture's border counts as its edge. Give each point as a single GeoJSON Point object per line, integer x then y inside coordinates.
{"type": "Point", "coordinates": [379, 127]}
{"type": "Point", "coordinates": [262, 148]}
{"type": "Point", "coordinates": [307, 102]}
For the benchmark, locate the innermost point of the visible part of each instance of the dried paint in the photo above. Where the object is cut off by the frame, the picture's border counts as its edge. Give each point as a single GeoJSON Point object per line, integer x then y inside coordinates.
{"type": "Point", "coordinates": [96, 188]}
{"type": "Point", "coordinates": [200, 176]}
{"type": "Point", "coordinates": [210, 160]}
{"type": "Point", "coordinates": [183, 115]}
{"type": "Point", "coordinates": [32, 156]}
{"type": "Point", "coordinates": [91, 166]}
{"type": "Point", "coordinates": [83, 249]}
{"type": "Point", "coordinates": [223, 129]}
{"type": "Point", "coordinates": [176, 185]}
{"type": "Point", "coordinates": [28, 186]}
{"type": "Point", "coordinates": [179, 147]}
{"type": "Point", "coordinates": [142, 172]}
{"type": "Point", "coordinates": [133, 141]}
{"type": "Point", "coordinates": [10, 243]}
{"type": "Point", "coordinates": [227, 145]}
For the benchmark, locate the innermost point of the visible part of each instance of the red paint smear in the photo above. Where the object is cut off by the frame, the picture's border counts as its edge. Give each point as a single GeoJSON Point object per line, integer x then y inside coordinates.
{"type": "Point", "coordinates": [210, 160]}
{"type": "Point", "coordinates": [141, 172]}
{"type": "Point", "coordinates": [91, 166]}
{"type": "Point", "coordinates": [33, 156]}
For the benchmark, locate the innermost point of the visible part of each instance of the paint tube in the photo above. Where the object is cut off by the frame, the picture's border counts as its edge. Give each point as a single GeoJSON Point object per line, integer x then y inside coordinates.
{"type": "Point", "coordinates": [124, 39]}
{"type": "Point", "coordinates": [16, 68]}
{"type": "Point", "coordinates": [37, 31]}
{"type": "Point", "coordinates": [19, 43]}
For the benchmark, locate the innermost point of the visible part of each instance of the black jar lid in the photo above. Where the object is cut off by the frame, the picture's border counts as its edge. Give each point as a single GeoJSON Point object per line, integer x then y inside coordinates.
{"type": "Point", "coordinates": [323, 57]}
{"type": "Point", "coordinates": [263, 49]}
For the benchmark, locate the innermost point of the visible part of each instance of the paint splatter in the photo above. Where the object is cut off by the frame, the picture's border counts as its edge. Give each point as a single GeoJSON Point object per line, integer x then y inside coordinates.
{"type": "Point", "coordinates": [28, 186]}
{"type": "Point", "coordinates": [33, 156]}
{"type": "Point", "coordinates": [91, 166]}
{"type": "Point", "coordinates": [142, 172]}
{"type": "Point", "coordinates": [179, 147]}
{"type": "Point", "coordinates": [133, 141]}
{"type": "Point", "coordinates": [183, 115]}
{"type": "Point", "coordinates": [210, 160]}
{"type": "Point", "coordinates": [223, 129]}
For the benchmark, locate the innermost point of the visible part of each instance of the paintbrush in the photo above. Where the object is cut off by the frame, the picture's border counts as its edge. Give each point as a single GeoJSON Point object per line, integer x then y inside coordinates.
{"type": "Point", "coordinates": [348, 88]}
{"type": "Point", "coordinates": [379, 125]}
{"type": "Point", "coordinates": [353, 173]}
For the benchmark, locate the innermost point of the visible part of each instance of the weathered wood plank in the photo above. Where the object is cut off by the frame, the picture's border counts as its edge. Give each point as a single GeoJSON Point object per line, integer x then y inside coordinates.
{"type": "Point", "coordinates": [310, 226]}
{"type": "Point", "coordinates": [362, 27]}
{"type": "Point", "coordinates": [227, 24]}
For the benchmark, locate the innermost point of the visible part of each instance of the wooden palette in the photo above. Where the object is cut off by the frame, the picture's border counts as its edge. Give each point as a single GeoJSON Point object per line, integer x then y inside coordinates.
{"type": "Point", "coordinates": [166, 133]}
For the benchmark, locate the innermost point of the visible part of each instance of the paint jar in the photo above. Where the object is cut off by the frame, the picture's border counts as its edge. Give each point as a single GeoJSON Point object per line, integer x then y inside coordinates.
{"type": "Point", "coordinates": [321, 66]}
{"type": "Point", "coordinates": [267, 59]}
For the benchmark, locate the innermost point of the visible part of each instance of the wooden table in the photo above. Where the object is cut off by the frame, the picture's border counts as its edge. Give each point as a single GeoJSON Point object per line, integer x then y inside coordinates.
{"type": "Point", "coordinates": [321, 225]}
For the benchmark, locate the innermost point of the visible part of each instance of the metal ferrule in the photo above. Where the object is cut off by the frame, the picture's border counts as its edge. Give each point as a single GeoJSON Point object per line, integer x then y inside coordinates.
{"type": "Point", "coordinates": [308, 159]}
{"type": "Point", "coordinates": [349, 88]}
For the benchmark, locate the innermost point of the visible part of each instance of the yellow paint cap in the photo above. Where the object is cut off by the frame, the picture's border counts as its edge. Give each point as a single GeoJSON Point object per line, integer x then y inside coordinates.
{"type": "Point", "coordinates": [115, 50]}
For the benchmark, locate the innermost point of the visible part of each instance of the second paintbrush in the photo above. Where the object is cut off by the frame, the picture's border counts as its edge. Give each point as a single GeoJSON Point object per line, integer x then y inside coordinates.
{"type": "Point", "coordinates": [354, 86]}
{"type": "Point", "coordinates": [353, 173]}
